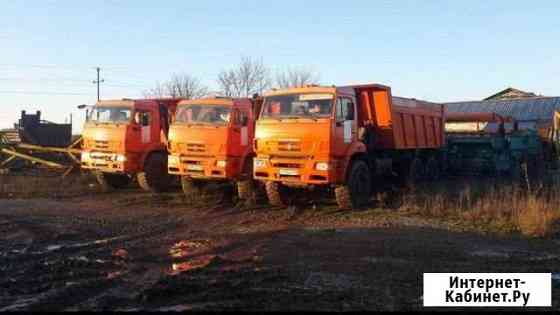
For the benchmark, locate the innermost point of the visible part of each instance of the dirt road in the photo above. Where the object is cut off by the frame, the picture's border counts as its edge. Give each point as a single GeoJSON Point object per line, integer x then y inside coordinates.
{"type": "Point", "coordinates": [134, 251]}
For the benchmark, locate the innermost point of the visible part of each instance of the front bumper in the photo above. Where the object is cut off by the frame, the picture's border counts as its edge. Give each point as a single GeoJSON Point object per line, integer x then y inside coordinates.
{"type": "Point", "coordinates": [204, 167]}
{"type": "Point", "coordinates": [106, 162]}
{"type": "Point", "coordinates": [294, 171]}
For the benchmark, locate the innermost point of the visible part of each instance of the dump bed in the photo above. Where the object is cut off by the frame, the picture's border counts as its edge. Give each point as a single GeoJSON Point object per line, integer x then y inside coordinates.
{"type": "Point", "coordinates": [400, 123]}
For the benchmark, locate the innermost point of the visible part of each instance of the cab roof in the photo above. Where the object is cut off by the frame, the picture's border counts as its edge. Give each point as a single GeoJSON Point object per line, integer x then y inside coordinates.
{"type": "Point", "coordinates": [302, 90]}
{"type": "Point", "coordinates": [116, 103]}
{"type": "Point", "coordinates": [224, 101]}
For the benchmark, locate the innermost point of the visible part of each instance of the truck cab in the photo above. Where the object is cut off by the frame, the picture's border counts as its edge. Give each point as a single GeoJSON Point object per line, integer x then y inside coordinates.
{"type": "Point", "coordinates": [128, 138]}
{"type": "Point", "coordinates": [341, 138]}
{"type": "Point", "coordinates": [211, 139]}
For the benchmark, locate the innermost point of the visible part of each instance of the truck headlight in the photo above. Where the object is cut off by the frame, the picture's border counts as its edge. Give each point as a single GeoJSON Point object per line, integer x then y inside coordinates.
{"type": "Point", "coordinates": [259, 163]}
{"type": "Point", "coordinates": [120, 158]}
{"type": "Point", "coordinates": [173, 160]}
{"type": "Point", "coordinates": [221, 164]}
{"type": "Point", "coordinates": [322, 166]}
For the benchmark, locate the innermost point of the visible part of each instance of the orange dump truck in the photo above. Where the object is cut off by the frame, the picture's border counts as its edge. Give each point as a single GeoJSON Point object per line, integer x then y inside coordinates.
{"type": "Point", "coordinates": [212, 139]}
{"type": "Point", "coordinates": [349, 139]}
{"type": "Point", "coordinates": [127, 138]}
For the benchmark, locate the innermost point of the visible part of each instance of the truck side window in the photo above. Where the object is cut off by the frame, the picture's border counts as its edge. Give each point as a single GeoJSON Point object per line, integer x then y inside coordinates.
{"type": "Point", "coordinates": [243, 118]}
{"type": "Point", "coordinates": [344, 109]}
{"type": "Point", "coordinates": [143, 118]}
{"type": "Point", "coordinates": [236, 117]}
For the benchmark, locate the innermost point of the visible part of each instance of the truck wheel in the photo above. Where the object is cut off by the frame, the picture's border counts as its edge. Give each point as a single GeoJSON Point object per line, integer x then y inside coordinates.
{"type": "Point", "coordinates": [416, 172]}
{"type": "Point", "coordinates": [154, 178]}
{"type": "Point", "coordinates": [190, 186]}
{"type": "Point", "coordinates": [535, 171]}
{"type": "Point", "coordinates": [246, 190]}
{"type": "Point", "coordinates": [357, 191]}
{"type": "Point", "coordinates": [276, 194]}
{"type": "Point", "coordinates": [433, 172]}
{"type": "Point", "coordinates": [109, 182]}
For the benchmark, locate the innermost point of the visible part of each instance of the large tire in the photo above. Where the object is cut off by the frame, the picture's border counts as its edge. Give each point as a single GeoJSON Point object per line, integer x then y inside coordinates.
{"type": "Point", "coordinates": [190, 186]}
{"type": "Point", "coordinates": [356, 193]}
{"type": "Point", "coordinates": [535, 171]}
{"type": "Point", "coordinates": [276, 194]}
{"type": "Point", "coordinates": [433, 171]}
{"type": "Point", "coordinates": [416, 172]}
{"type": "Point", "coordinates": [155, 178]}
{"type": "Point", "coordinates": [109, 182]}
{"type": "Point", "coordinates": [246, 189]}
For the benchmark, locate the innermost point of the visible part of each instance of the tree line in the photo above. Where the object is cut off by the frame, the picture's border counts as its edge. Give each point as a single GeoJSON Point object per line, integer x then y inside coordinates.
{"type": "Point", "coordinates": [251, 76]}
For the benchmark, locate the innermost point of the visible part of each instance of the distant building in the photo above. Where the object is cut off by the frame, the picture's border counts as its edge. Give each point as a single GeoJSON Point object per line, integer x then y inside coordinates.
{"type": "Point", "coordinates": [530, 110]}
{"type": "Point", "coordinates": [510, 93]}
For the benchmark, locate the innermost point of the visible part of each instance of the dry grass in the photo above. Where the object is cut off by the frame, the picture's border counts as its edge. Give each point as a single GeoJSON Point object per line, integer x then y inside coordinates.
{"type": "Point", "coordinates": [490, 206]}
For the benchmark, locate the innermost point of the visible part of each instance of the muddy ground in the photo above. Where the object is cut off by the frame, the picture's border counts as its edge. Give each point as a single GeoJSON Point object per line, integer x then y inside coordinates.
{"type": "Point", "coordinates": [134, 251]}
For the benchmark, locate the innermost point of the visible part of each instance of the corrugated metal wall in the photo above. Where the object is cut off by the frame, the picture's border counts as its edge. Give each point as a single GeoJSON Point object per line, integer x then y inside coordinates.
{"type": "Point", "coordinates": [528, 111]}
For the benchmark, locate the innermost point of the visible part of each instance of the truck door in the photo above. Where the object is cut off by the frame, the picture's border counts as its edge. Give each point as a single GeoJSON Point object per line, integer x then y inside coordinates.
{"type": "Point", "coordinates": [345, 126]}
{"type": "Point", "coordinates": [239, 133]}
{"type": "Point", "coordinates": [147, 127]}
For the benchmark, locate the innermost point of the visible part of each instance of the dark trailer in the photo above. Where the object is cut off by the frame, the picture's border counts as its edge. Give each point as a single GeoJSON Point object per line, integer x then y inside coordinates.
{"type": "Point", "coordinates": [537, 114]}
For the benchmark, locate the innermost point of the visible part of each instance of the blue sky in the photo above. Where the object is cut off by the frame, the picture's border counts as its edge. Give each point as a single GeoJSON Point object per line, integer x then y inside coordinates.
{"type": "Point", "coordinates": [434, 50]}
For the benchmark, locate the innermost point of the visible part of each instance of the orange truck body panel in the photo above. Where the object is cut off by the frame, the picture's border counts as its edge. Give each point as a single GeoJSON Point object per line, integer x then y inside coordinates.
{"type": "Point", "coordinates": [318, 152]}
{"type": "Point", "coordinates": [401, 123]}
{"type": "Point", "coordinates": [123, 147]}
{"type": "Point", "coordinates": [210, 151]}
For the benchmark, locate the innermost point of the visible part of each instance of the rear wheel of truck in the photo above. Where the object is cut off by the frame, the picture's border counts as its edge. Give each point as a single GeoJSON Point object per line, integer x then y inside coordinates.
{"type": "Point", "coordinates": [416, 172]}
{"type": "Point", "coordinates": [357, 191]}
{"type": "Point", "coordinates": [154, 178]}
{"type": "Point", "coordinates": [433, 171]}
{"type": "Point", "coordinates": [246, 188]}
{"type": "Point", "coordinates": [109, 182]}
{"type": "Point", "coordinates": [276, 194]}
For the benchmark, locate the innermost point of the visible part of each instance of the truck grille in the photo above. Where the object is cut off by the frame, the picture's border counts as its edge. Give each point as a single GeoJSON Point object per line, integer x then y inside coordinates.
{"type": "Point", "coordinates": [289, 146]}
{"type": "Point", "coordinates": [196, 147]}
{"type": "Point", "coordinates": [288, 165]}
{"type": "Point", "coordinates": [101, 145]}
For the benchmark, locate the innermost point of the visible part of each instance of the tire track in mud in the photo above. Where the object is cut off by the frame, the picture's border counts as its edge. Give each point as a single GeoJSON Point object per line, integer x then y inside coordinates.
{"type": "Point", "coordinates": [68, 260]}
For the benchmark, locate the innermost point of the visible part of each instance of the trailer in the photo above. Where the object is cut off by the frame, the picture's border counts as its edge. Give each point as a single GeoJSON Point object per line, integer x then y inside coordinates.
{"type": "Point", "coordinates": [482, 143]}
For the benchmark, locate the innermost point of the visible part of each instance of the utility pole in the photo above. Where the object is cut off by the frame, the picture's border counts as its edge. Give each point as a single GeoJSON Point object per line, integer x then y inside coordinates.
{"type": "Point", "coordinates": [98, 81]}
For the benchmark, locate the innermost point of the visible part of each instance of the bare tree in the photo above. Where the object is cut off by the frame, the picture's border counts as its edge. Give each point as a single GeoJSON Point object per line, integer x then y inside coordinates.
{"type": "Point", "coordinates": [179, 86]}
{"type": "Point", "coordinates": [158, 91]}
{"type": "Point", "coordinates": [249, 77]}
{"type": "Point", "coordinates": [296, 77]}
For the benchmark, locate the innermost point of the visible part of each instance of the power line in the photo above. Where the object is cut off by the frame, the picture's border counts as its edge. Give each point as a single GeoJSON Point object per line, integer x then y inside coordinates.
{"type": "Point", "coordinates": [74, 82]}
{"type": "Point", "coordinates": [43, 93]}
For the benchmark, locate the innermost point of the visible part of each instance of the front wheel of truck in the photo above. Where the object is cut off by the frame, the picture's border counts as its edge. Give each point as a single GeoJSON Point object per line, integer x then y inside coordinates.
{"type": "Point", "coordinates": [356, 192]}
{"type": "Point", "coordinates": [190, 186]}
{"type": "Point", "coordinates": [276, 194]}
{"type": "Point", "coordinates": [154, 178]}
{"type": "Point", "coordinates": [109, 182]}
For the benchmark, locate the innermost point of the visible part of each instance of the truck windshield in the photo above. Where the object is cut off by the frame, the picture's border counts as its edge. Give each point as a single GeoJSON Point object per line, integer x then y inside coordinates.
{"type": "Point", "coordinates": [204, 114]}
{"type": "Point", "coordinates": [298, 106]}
{"type": "Point", "coordinates": [110, 115]}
